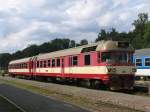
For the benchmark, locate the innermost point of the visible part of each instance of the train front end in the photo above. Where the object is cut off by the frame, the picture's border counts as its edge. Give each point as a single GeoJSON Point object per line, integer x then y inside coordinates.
{"type": "Point", "coordinates": [117, 58]}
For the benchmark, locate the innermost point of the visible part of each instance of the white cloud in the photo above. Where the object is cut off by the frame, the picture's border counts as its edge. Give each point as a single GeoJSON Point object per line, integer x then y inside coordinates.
{"type": "Point", "coordinates": [23, 22]}
{"type": "Point", "coordinates": [85, 9]}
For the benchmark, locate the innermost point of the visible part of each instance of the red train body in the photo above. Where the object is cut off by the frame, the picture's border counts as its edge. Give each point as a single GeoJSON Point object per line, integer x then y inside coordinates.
{"type": "Point", "coordinates": [104, 63]}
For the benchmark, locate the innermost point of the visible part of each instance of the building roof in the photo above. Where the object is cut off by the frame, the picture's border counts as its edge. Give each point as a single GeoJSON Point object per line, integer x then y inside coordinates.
{"type": "Point", "coordinates": [142, 52]}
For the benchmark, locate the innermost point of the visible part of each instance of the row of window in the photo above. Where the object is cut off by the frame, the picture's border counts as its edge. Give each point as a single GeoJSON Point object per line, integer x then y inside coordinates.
{"type": "Point", "coordinates": [21, 65]}
{"type": "Point", "coordinates": [48, 63]}
{"type": "Point", "coordinates": [73, 61]}
{"type": "Point", "coordinates": [138, 62]}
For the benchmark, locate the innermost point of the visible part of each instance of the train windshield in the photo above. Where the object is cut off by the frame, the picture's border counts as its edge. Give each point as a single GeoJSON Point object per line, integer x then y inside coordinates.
{"type": "Point", "coordinates": [116, 57]}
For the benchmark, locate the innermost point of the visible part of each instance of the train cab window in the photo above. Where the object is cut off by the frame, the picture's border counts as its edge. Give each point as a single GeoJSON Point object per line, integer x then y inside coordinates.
{"type": "Point", "coordinates": [41, 63]}
{"type": "Point", "coordinates": [106, 56]}
{"type": "Point", "coordinates": [147, 61]}
{"type": "Point", "coordinates": [75, 60]}
{"type": "Point", "coordinates": [44, 64]}
{"type": "Point", "coordinates": [87, 59]}
{"type": "Point", "coordinates": [58, 62]}
{"type": "Point", "coordinates": [37, 64]}
{"type": "Point", "coordinates": [138, 62]}
{"type": "Point", "coordinates": [49, 63]}
{"type": "Point", "coordinates": [53, 62]}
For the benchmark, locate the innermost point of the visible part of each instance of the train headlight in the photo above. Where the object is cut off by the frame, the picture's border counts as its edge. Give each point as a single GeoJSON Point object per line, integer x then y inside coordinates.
{"type": "Point", "coordinates": [113, 69]}
{"type": "Point", "coordinates": [133, 69]}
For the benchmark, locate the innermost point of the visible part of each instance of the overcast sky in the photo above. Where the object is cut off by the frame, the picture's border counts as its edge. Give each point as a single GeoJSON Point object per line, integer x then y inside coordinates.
{"type": "Point", "coordinates": [25, 22]}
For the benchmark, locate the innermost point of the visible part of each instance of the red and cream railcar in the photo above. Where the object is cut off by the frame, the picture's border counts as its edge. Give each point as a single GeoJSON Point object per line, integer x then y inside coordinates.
{"type": "Point", "coordinates": [106, 62]}
{"type": "Point", "coordinates": [20, 67]}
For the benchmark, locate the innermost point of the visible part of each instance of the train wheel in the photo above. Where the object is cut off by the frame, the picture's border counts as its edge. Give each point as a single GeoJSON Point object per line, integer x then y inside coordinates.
{"type": "Point", "coordinates": [97, 84]}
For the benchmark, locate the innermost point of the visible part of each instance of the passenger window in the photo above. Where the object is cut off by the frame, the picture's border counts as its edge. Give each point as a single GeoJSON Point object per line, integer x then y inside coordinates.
{"type": "Point", "coordinates": [138, 62]}
{"type": "Point", "coordinates": [49, 63]}
{"type": "Point", "coordinates": [58, 62]}
{"type": "Point", "coordinates": [53, 62]}
{"type": "Point", "coordinates": [37, 64]}
{"type": "Point", "coordinates": [41, 64]}
{"type": "Point", "coordinates": [75, 60]}
{"type": "Point", "coordinates": [26, 65]}
{"type": "Point", "coordinates": [87, 59]}
{"type": "Point", "coordinates": [44, 63]}
{"type": "Point", "coordinates": [147, 61]}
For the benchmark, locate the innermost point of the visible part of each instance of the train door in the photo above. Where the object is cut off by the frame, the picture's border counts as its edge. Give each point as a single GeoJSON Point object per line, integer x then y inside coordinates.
{"type": "Point", "coordinates": [30, 66]}
{"type": "Point", "coordinates": [62, 66]}
{"type": "Point", "coordinates": [33, 66]}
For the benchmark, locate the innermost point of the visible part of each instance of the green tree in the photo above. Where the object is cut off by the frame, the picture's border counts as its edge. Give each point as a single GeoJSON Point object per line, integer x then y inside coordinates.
{"type": "Point", "coordinates": [83, 42]}
{"type": "Point", "coordinates": [146, 35]}
{"type": "Point", "coordinates": [4, 60]}
{"type": "Point", "coordinates": [139, 41]}
{"type": "Point", "coordinates": [72, 44]}
{"type": "Point", "coordinates": [102, 35]}
{"type": "Point", "coordinates": [30, 51]}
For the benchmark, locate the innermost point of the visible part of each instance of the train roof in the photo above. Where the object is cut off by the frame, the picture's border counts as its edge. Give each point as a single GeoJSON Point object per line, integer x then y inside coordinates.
{"type": "Point", "coordinates": [108, 45]}
{"type": "Point", "coordinates": [101, 45]}
{"type": "Point", "coordinates": [20, 60]}
{"type": "Point", "coordinates": [142, 52]}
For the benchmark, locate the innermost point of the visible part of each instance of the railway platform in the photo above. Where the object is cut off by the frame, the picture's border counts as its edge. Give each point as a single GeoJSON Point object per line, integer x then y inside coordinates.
{"type": "Point", "coordinates": [31, 102]}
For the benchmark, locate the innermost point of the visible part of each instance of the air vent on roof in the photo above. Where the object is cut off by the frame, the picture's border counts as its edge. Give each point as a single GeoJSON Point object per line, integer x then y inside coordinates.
{"type": "Point", "coordinates": [123, 44]}
{"type": "Point", "coordinates": [88, 49]}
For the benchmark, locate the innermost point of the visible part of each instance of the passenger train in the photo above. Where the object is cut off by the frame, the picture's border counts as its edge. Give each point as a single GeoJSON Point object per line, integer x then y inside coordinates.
{"type": "Point", "coordinates": [105, 63]}
{"type": "Point", "coordinates": [142, 63]}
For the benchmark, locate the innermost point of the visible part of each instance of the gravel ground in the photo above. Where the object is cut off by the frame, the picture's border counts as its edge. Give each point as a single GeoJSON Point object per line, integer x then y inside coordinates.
{"type": "Point", "coordinates": [105, 100]}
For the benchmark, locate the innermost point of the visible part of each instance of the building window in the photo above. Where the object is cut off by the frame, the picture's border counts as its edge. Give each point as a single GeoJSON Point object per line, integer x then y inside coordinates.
{"type": "Point", "coordinates": [138, 62]}
{"type": "Point", "coordinates": [49, 63]}
{"type": "Point", "coordinates": [147, 61]}
{"type": "Point", "coordinates": [41, 64]}
{"type": "Point", "coordinates": [58, 62]}
{"type": "Point", "coordinates": [53, 62]}
{"type": "Point", "coordinates": [87, 60]}
{"type": "Point", "coordinates": [37, 64]}
{"type": "Point", "coordinates": [44, 63]}
{"type": "Point", "coordinates": [75, 60]}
